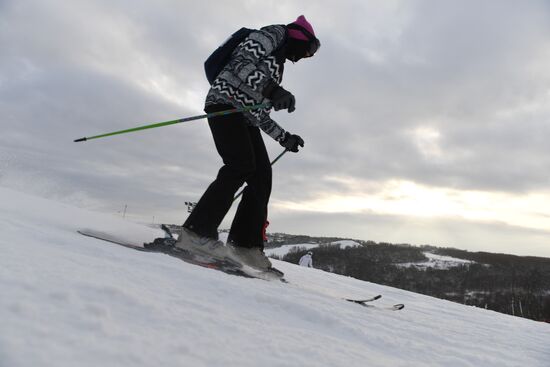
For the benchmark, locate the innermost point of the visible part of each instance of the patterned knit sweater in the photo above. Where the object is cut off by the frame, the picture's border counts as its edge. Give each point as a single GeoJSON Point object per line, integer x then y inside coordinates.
{"type": "Point", "coordinates": [256, 62]}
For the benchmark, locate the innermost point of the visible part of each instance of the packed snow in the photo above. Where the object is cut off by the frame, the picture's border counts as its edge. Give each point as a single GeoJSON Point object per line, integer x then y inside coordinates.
{"type": "Point", "coordinates": [437, 262]}
{"type": "Point", "coordinates": [69, 300]}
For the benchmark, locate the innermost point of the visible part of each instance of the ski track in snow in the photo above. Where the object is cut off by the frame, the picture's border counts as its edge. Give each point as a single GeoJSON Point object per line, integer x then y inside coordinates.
{"type": "Point", "coordinates": [69, 300]}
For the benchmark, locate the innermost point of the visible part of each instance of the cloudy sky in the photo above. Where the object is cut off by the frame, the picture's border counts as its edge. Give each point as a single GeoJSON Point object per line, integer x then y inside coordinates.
{"type": "Point", "coordinates": [425, 121]}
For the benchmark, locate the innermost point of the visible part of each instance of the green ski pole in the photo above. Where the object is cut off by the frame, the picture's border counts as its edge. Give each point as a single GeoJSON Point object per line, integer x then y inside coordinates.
{"type": "Point", "coordinates": [172, 122]}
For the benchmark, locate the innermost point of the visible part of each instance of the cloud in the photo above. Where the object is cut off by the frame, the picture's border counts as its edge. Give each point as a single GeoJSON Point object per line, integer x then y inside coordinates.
{"type": "Point", "coordinates": [449, 96]}
{"type": "Point", "coordinates": [443, 232]}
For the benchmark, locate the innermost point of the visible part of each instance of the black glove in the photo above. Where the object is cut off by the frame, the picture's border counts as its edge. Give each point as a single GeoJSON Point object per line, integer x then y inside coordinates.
{"type": "Point", "coordinates": [282, 99]}
{"type": "Point", "coordinates": [291, 142]}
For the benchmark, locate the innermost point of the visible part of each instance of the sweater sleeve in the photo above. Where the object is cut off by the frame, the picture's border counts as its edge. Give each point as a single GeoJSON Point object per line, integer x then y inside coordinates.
{"type": "Point", "coordinates": [272, 128]}
{"type": "Point", "coordinates": [250, 53]}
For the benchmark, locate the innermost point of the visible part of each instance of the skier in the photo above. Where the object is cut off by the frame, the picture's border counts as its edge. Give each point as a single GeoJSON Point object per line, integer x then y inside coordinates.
{"type": "Point", "coordinates": [252, 76]}
{"type": "Point", "coordinates": [307, 260]}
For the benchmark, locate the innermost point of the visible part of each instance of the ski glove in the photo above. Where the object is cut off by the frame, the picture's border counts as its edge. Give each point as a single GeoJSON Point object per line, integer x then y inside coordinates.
{"type": "Point", "coordinates": [281, 99]}
{"type": "Point", "coordinates": [291, 142]}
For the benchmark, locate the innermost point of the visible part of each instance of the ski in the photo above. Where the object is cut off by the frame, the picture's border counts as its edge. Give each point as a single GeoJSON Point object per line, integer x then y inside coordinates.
{"type": "Point", "coordinates": [396, 307]}
{"type": "Point", "coordinates": [166, 246]}
{"type": "Point", "coordinates": [364, 303]}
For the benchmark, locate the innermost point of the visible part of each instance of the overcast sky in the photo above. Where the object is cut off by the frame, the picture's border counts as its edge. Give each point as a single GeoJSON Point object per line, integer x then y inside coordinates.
{"type": "Point", "coordinates": [425, 122]}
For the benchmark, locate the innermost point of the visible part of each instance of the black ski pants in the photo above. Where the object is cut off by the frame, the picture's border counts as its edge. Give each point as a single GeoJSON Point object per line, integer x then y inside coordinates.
{"type": "Point", "coordinates": [245, 159]}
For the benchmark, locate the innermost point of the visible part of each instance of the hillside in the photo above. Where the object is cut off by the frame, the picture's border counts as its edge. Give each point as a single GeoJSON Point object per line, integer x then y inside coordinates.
{"type": "Point", "coordinates": [515, 285]}
{"type": "Point", "coordinates": [68, 300]}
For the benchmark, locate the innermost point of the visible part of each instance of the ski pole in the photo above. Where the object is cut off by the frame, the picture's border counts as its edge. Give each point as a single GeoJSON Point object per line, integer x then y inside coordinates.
{"type": "Point", "coordinates": [272, 163]}
{"type": "Point", "coordinates": [172, 122]}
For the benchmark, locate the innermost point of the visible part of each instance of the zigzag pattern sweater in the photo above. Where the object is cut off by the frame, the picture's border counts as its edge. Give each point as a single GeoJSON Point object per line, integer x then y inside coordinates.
{"type": "Point", "coordinates": [256, 62]}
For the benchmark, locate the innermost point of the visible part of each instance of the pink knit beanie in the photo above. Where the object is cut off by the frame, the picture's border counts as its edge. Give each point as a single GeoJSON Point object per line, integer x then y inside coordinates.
{"type": "Point", "coordinates": [296, 34]}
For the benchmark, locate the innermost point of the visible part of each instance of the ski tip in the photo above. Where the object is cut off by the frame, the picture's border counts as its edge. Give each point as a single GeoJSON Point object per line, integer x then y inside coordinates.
{"type": "Point", "coordinates": [79, 140]}
{"type": "Point", "coordinates": [362, 301]}
{"type": "Point", "coordinates": [398, 306]}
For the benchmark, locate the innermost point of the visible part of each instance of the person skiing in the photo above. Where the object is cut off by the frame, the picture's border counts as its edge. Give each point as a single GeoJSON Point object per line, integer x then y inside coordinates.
{"type": "Point", "coordinates": [252, 76]}
{"type": "Point", "coordinates": [307, 260]}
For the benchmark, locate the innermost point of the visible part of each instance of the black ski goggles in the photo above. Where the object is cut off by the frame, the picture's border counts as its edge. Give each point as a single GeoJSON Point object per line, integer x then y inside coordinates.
{"type": "Point", "coordinates": [313, 44]}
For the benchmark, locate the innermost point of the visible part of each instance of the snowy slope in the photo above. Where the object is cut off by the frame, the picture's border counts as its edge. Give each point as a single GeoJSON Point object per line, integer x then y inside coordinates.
{"type": "Point", "coordinates": [68, 300]}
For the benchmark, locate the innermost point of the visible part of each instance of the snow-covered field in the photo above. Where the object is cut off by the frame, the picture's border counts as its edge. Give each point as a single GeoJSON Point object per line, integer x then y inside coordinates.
{"type": "Point", "coordinates": [345, 243]}
{"type": "Point", "coordinates": [69, 300]}
{"type": "Point", "coordinates": [285, 249]}
{"type": "Point", "coordinates": [437, 262]}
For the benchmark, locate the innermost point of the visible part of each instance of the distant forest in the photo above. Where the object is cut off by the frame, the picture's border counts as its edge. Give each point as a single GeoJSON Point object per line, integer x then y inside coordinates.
{"type": "Point", "coordinates": [515, 285]}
